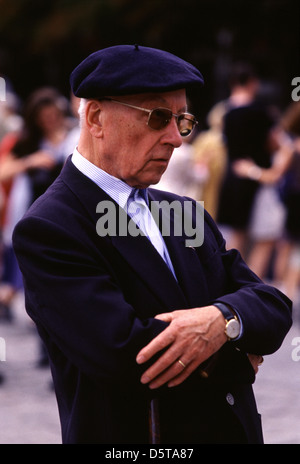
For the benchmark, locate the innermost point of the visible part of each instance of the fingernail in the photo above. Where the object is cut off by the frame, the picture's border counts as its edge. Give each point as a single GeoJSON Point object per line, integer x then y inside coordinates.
{"type": "Point", "coordinates": [145, 379]}
{"type": "Point", "coordinates": [152, 386]}
{"type": "Point", "coordinates": [140, 359]}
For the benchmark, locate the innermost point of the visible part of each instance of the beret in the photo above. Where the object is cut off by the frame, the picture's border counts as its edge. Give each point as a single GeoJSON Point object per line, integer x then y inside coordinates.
{"type": "Point", "coordinates": [132, 69]}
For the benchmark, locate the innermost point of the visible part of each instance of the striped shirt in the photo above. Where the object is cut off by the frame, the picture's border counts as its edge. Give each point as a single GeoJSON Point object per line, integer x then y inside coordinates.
{"type": "Point", "coordinates": [118, 190]}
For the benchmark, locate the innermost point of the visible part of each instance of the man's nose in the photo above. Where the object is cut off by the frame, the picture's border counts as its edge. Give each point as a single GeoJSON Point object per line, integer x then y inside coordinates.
{"type": "Point", "coordinates": [172, 135]}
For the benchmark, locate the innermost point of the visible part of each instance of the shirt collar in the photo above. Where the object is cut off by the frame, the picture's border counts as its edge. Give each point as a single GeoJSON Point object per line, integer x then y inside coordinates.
{"type": "Point", "coordinates": [117, 189]}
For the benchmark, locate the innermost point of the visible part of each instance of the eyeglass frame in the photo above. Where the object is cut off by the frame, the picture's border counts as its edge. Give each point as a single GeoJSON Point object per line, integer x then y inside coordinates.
{"type": "Point", "coordinates": [146, 110]}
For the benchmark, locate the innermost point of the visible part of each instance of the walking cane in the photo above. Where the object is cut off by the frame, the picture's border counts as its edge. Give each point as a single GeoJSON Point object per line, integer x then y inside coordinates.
{"type": "Point", "coordinates": [154, 429]}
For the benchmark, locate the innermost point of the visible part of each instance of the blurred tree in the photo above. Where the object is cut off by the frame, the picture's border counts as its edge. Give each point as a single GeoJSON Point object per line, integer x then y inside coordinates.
{"type": "Point", "coordinates": [43, 41]}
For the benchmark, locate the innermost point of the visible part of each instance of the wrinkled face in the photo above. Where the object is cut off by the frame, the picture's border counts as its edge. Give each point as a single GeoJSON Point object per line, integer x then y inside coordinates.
{"type": "Point", "coordinates": [130, 149]}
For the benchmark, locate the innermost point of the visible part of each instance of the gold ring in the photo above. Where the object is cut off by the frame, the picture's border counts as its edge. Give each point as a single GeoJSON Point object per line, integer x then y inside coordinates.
{"type": "Point", "coordinates": [181, 363]}
{"type": "Point", "coordinates": [261, 361]}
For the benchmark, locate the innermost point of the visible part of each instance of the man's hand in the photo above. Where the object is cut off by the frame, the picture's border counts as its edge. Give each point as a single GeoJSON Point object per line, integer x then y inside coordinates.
{"type": "Point", "coordinates": [256, 361]}
{"type": "Point", "coordinates": [192, 336]}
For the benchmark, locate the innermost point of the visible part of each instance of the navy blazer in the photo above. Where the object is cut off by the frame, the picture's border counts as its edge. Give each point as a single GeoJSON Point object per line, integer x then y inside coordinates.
{"type": "Point", "coordinates": [94, 299]}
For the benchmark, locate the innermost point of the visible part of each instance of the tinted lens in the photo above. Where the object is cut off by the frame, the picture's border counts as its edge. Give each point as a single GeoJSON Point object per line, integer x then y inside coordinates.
{"type": "Point", "coordinates": [159, 118]}
{"type": "Point", "coordinates": [186, 124]}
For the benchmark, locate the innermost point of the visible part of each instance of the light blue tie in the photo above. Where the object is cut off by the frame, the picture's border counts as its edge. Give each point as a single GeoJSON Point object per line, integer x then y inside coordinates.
{"type": "Point", "coordinates": [138, 210]}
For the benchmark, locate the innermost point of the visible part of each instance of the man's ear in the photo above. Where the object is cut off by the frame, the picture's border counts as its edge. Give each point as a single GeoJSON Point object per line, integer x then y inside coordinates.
{"type": "Point", "coordinates": [93, 118]}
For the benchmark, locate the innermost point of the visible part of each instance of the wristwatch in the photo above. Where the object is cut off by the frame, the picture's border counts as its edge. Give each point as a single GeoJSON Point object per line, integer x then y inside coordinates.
{"type": "Point", "coordinates": [233, 327]}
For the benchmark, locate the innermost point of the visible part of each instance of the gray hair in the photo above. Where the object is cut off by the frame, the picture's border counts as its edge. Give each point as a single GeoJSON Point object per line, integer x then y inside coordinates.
{"type": "Point", "coordinates": [81, 110]}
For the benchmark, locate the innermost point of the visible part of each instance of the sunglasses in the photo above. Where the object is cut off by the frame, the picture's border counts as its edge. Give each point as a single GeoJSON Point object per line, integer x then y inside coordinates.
{"type": "Point", "coordinates": [159, 118]}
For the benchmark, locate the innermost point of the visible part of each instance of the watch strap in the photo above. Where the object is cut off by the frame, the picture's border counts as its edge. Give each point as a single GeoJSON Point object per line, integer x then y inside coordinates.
{"type": "Point", "coordinates": [227, 313]}
{"type": "Point", "coordinates": [230, 319]}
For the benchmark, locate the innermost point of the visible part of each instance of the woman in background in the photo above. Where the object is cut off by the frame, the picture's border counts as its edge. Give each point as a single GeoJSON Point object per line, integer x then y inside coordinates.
{"type": "Point", "coordinates": [30, 165]}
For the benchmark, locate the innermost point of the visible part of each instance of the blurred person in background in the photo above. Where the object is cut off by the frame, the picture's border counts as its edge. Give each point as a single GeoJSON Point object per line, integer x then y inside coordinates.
{"type": "Point", "coordinates": [196, 169]}
{"type": "Point", "coordinates": [249, 136]}
{"type": "Point", "coordinates": [291, 196]}
{"type": "Point", "coordinates": [268, 217]}
{"type": "Point", "coordinates": [31, 159]}
{"type": "Point", "coordinates": [10, 119]}
{"type": "Point", "coordinates": [285, 175]}
{"type": "Point", "coordinates": [183, 176]}
{"type": "Point", "coordinates": [10, 125]}
{"type": "Point", "coordinates": [210, 156]}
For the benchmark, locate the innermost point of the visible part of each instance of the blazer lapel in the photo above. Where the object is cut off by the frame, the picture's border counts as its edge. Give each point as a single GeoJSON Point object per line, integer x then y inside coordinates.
{"type": "Point", "coordinates": [189, 271]}
{"type": "Point", "coordinates": [186, 262]}
{"type": "Point", "coordinates": [151, 268]}
{"type": "Point", "coordinates": [137, 251]}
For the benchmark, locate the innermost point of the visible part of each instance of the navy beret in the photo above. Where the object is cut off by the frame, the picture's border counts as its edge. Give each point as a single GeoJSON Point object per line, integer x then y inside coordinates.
{"type": "Point", "coordinates": [132, 69]}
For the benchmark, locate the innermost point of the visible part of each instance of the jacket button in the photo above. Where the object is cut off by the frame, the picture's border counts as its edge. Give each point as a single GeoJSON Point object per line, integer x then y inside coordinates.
{"type": "Point", "coordinates": [230, 399]}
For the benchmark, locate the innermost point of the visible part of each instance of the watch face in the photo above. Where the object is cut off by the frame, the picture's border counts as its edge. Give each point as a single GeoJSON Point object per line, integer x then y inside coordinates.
{"type": "Point", "coordinates": [233, 328]}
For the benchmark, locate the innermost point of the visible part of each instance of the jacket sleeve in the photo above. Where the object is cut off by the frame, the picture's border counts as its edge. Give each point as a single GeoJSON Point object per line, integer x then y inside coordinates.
{"type": "Point", "coordinates": [265, 312]}
{"type": "Point", "coordinates": [75, 300]}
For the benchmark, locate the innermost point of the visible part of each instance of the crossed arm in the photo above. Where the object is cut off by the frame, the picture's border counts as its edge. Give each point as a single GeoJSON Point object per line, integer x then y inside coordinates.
{"type": "Point", "coordinates": [111, 325]}
{"type": "Point", "coordinates": [192, 337]}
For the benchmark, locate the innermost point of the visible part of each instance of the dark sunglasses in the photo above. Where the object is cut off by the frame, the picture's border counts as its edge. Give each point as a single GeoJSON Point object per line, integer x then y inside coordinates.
{"type": "Point", "coordinates": [161, 117]}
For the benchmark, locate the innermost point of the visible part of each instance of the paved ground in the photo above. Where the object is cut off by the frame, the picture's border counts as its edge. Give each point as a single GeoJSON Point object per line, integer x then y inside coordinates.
{"type": "Point", "coordinates": [277, 389]}
{"type": "Point", "coordinates": [28, 412]}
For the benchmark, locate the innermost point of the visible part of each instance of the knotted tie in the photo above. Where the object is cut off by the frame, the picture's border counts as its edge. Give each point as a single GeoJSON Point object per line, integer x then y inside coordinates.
{"type": "Point", "coordinates": [138, 210]}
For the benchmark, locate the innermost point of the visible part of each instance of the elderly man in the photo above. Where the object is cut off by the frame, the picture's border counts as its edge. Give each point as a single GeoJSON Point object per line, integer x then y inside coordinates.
{"type": "Point", "coordinates": [147, 332]}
